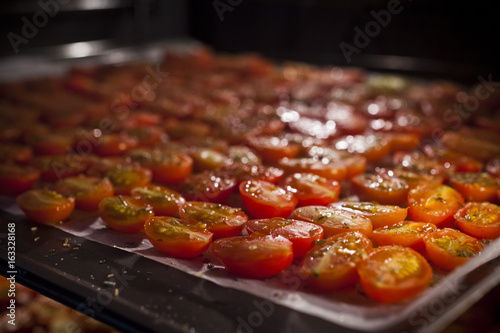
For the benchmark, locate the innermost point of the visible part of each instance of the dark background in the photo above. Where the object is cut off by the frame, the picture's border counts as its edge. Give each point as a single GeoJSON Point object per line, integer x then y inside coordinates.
{"type": "Point", "coordinates": [451, 39]}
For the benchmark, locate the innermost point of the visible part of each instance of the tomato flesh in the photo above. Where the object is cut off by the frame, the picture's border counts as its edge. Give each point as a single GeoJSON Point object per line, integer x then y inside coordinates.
{"type": "Point", "coordinates": [311, 189]}
{"type": "Point", "coordinates": [164, 201]}
{"type": "Point", "coordinates": [45, 206]}
{"type": "Point", "coordinates": [385, 190]}
{"type": "Point", "coordinates": [124, 214]}
{"type": "Point", "coordinates": [479, 219]}
{"type": "Point", "coordinates": [88, 191]}
{"type": "Point", "coordinates": [404, 233]}
{"type": "Point", "coordinates": [380, 215]}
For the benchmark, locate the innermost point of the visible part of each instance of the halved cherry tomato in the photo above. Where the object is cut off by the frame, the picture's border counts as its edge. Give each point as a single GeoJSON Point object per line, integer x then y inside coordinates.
{"type": "Point", "coordinates": [56, 167]}
{"type": "Point", "coordinates": [87, 191]}
{"type": "Point", "coordinates": [324, 168]}
{"type": "Point", "coordinates": [461, 162]}
{"type": "Point", "coordinates": [302, 234]}
{"type": "Point", "coordinates": [114, 145]}
{"type": "Point", "coordinates": [380, 215]}
{"type": "Point", "coordinates": [168, 166]}
{"type": "Point", "coordinates": [15, 153]}
{"type": "Point", "coordinates": [380, 188]}
{"type": "Point", "coordinates": [15, 179]}
{"type": "Point", "coordinates": [164, 201]}
{"type": "Point", "coordinates": [479, 219]}
{"type": "Point", "coordinates": [404, 233]}
{"type": "Point", "coordinates": [265, 200]}
{"type": "Point", "coordinates": [333, 221]}
{"type": "Point", "coordinates": [222, 221]}
{"type": "Point", "coordinates": [175, 238]}
{"type": "Point", "coordinates": [331, 263]}
{"type": "Point", "coordinates": [470, 146]}
{"type": "Point", "coordinates": [243, 154]}
{"type": "Point", "coordinates": [272, 149]}
{"type": "Point", "coordinates": [411, 178]}
{"type": "Point", "coordinates": [147, 136]}
{"type": "Point", "coordinates": [403, 141]}
{"type": "Point", "coordinates": [243, 171]}
{"type": "Point", "coordinates": [420, 164]}
{"type": "Point", "coordinates": [372, 147]}
{"type": "Point", "coordinates": [354, 163]}
{"type": "Point", "coordinates": [254, 257]}
{"type": "Point", "coordinates": [475, 186]}
{"type": "Point", "coordinates": [393, 273]}
{"type": "Point", "coordinates": [125, 177]}
{"type": "Point", "coordinates": [433, 203]}
{"type": "Point", "coordinates": [45, 206]}
{"type": "Point", "coordinates": [450, 248]}
{"type": "Point", "coordinates": [125, 214]}
{"type": "Point", "coordinates": [207, 159]}
{"type": "Point", "coordinates": [311, 189]}
{"type": "Point", "coordinates": [50, 143]}
{"type": "Point", "coordinates": [208, 186]}
{"type": "Point", "coordinates": [178, 129]}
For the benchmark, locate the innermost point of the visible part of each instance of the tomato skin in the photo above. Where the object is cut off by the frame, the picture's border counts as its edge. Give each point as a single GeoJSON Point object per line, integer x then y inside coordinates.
{"type": "Point", "coordinates": [254, 257]}
{"type": "Point", "coordinates": [169, 167]}
{"type": "Point", "coordinates": [380, 274]}
{"type": "Point", "coordinates": [114, 145]}
{"type": "Point", "coordinates": [164, 201]}
{"type": "Point", "coordinates": [87, 191]}
{"type": "Point", "coordinates": [405, 233]}
{"type": "Point", "coordinates": [126, 177]}
{"type": "Point", "coordinates": [450, 248]}
{"type": "Point", "coordinates": [311, 189]}
{"type": "Point", "coordinates": [479, 219]}
{"type": "Point", "coordinates": [302, 234]}
{"type": "Point", "coordinates": [475, 186]}
{"type": "Point", "coordinates": [45, 206]}
{"type": "Point", "coordinates": [272, 149]}
{"type": "Point", "coordinates": [124, 214]}
{"type": "Point", "coordinates": [380, 215]}
{"type": "Point", "coordinates": [265, 200]}
{"type": "Point", "coordinates": [329, 170]}
{"type": "Point", "coordinates": [434, 204]}
{"type": "Point", "coordinates": [331, 263]}
{"type": "Point", "coordinates": [15, 153]}
{"type": "Point", "coordinates": [176, 238]}
{"type": "Point", "coordinates": [222, 221]}
{"type": "Point", "coordinates": [208, 186]}
{"type": "Point", "coordinates": [248, 171]}
{"type": "Point", "coordinates": [16, 179]}
{"type": "Point", "coordinates": [382, 189]}
{"type": "Point", "coordinates": [333, 221]}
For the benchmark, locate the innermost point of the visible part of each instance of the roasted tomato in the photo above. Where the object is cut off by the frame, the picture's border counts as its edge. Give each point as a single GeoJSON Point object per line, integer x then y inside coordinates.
{"type": "Point", "coordinates": [124, 213]}
{"type": "Point", "coordinates": [433, 203]}
{"type": "Point", "coordinates": [208, 186]}
{"type": "Point", "coordinates": [15, 179]}
{"type": "Point", "coordinates": [411, 178]}
{"type": "Point", "coordinates": [354, 163]}
{"type": "Point", "coordinates": [208, 159]}
{"type": "Point", "coordinates": [125, 177]}
{"type": "Point", "coordinates": [15, 153]}
{"type": "Point", "coordinates": [475, 186]}
{"type": "Point", "coordinates": [380, 188]}
{"type": "Point", "coordinates": [243, 154]}
{"type": "Point", "coordinates": [380, 215]}
{"type": "Point", "coordinates": [114, 145]}
{"type": "Point", "coordinates": [175, 238]}
{"type": "Point", "coordinates": [164, 201]}
{"type": "Point", "coordinates": [265, 200]}
{"type": "Point", "coordinates": [479, 219]}
{"type": "Point", "coordinates": [311, 189]}
{"type": "Point", "coordinates": [49, 143]}
{"type": "Point", "coordinates": [302, 234]}
{"type": "Point", "coordinates": [333, 221]}
{"type": "Point", "coordinates": [56, 167]}
{"type": "Point", "coordinates": [255, 256]}
{"type": "Point", "coordinates": [461, 162]}
{"type": "Point", "coordinates": [403, 141]}
{"type": "Point", "coordinates": [470, 146]}
{"type": "Point", "coordinates": [393, 274]}
{"type": "Point", "coordinates": [272, 149]}
{"type": "Point", "coordinates": [324, 168]}
{"type": "Point", "coordinates": [404, 233]}
{"type": "Point", "coordinates": [372, 147]}
{"type": "Point", "coordinates": [449, 248]}
{"type": "Point", "coordinates": [331, 263]}
{"type": "Point", "coordinates": [222, 221]}
{"type": "Point", "coordinates": [147, 136]}
{"type": "Point", "coordinates": [87, 191]}
{"type": "Point", "coordinates": [45, 206]}
{"type": "Point", "coordinates": [243, 171]}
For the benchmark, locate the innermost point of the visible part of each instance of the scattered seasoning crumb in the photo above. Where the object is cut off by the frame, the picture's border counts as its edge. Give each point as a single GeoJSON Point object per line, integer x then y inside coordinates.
{"type": "Point", "coordinates": [66, 243]}
{"type": "Point", "coordinates": [76, 248]}
{"type": "Point", "coordinates": [110, 283]}
{"type": "Point", "coordinates": [62, 259]}
{"type": "Point", "coordinates": [34, 228]}
{"type": "Point", "coordinates": [36, 239]}
{"type": "Point", "coordinates": [110, 275]}
{"type": "Point", "coordinates": [116, 292]}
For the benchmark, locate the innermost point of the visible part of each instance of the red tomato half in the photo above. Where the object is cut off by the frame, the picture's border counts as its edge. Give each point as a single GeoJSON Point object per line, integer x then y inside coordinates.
{"type": "Point", "coordinates": [383, 189]}
{"type": "Point", "coordinates": [380, 215]}
{"type": "Point", "coordinates": [15, 179]}
{"type": "Point", "coordinates": [475, 186]}
{"type": "Point", "coordinates": [405, 233]}
{"type": "Point", "coordinates": [265, 200]}
{"type": "Point", "coordinates": [124, 213]}
{"type": "Point", "coordinates": [88, 191]}
{"type": "Point", "coordinates": [255, 257]}
{"type": "Point", "coordinates": [311, 189]}
{"type": "Point", "coordinates": [45, 206]}
{"type": "Point", "coordinates": [163, 200]}
{"type": "Point", "coordinates": [479, 219]}
{"type": "Point", "coordinates": [208, 186]}
{"type": "Point", "coordinates": [125, 178]}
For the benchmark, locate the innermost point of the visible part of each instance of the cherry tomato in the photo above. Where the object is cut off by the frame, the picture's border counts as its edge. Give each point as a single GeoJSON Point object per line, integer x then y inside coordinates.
{"type": "Point", "coordinates": [421, 164]}
{"type": "Point", "coordinates": [272, 149]}
{"type": "Point", "coordinates": [411, 178]}
{"type": "Point", "coordinates": [373, 148]}
{"type": "Point", "coordinates": [479, 219]}
{"type": "Point", "coordinates": [380, 215]}
{"type": "Point", "coordinates": [178, 129]}
{"type": "Point", "coordinates": [56, 167]}
{"type": "Point", "coordinates": [87, 191]}
{"type": "Point", "coordinates": [403, 141]}
{"type": "Point", "coordinates": [45, 206]}
{"type": "Point", "coordinates": [175, 238]}
{"type": "Point", "coordinates": [354, 163]}
{"type": "Point", "coordinates": [222, 221]}
{"type": "Point", "coordinates": [243, 154]}
{"type": "Point", "coordinates": [208, 186]}
{"type": "Point", "coordinates": [311, 189]}
{"type": "Point", "coordinates": [475, 186]}
{"type": "Point", "coordinates": [434, 204]}
{"type": "Point", "coordinates": [147, 136]}
{"type": "Point", "coordinates": [15, 179]}
{"type": "Point", "coordinates": [470, 146]}
{"type": "Point", "coordinates": [461, 162]}
{"type": "Point", "coordinates": [254, 257]}
{"type": "Point", "coordinates": [207, 159]}
{"type": "Point", "coordinates": [125, 177]}
{"type": "Point", "coordinates": [333, 221]}
{"type": "Point", "coordinates": [324, 168]}
{"type": "Point", "coordinates": [15, 153]}
{"type": "Point", "coordinates": [164, 201]}
{"type": "Point", "coordinates": [393, 274]}
{"type": "Point", "coordinates": [242, 172]}
{"type": "Point", "coordinates": [449, 248]}
{"type": "Point", "coordinates": [124, 214]}
{"type": "Point", "coordinates": [301, 234]}
{"type": "Point", "coordinates": [265, 200]}
{"type": "Point", "coordinates": [49, 143]}
{"type": "Point", "coordinates": [114, 145]}
{"type": "Point", "coordinates": [404, 233]}
{"type": "Point", "coordinates": [331, 263]}
{"type": "Point", "coordinates": [168, 166]}
{"type": "Point", "coordinates": [380, 188]}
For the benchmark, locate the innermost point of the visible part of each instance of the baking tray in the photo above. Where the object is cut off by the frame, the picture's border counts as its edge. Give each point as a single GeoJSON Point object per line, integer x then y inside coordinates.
{"type": "Point", "coordinates": [136, 294]}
